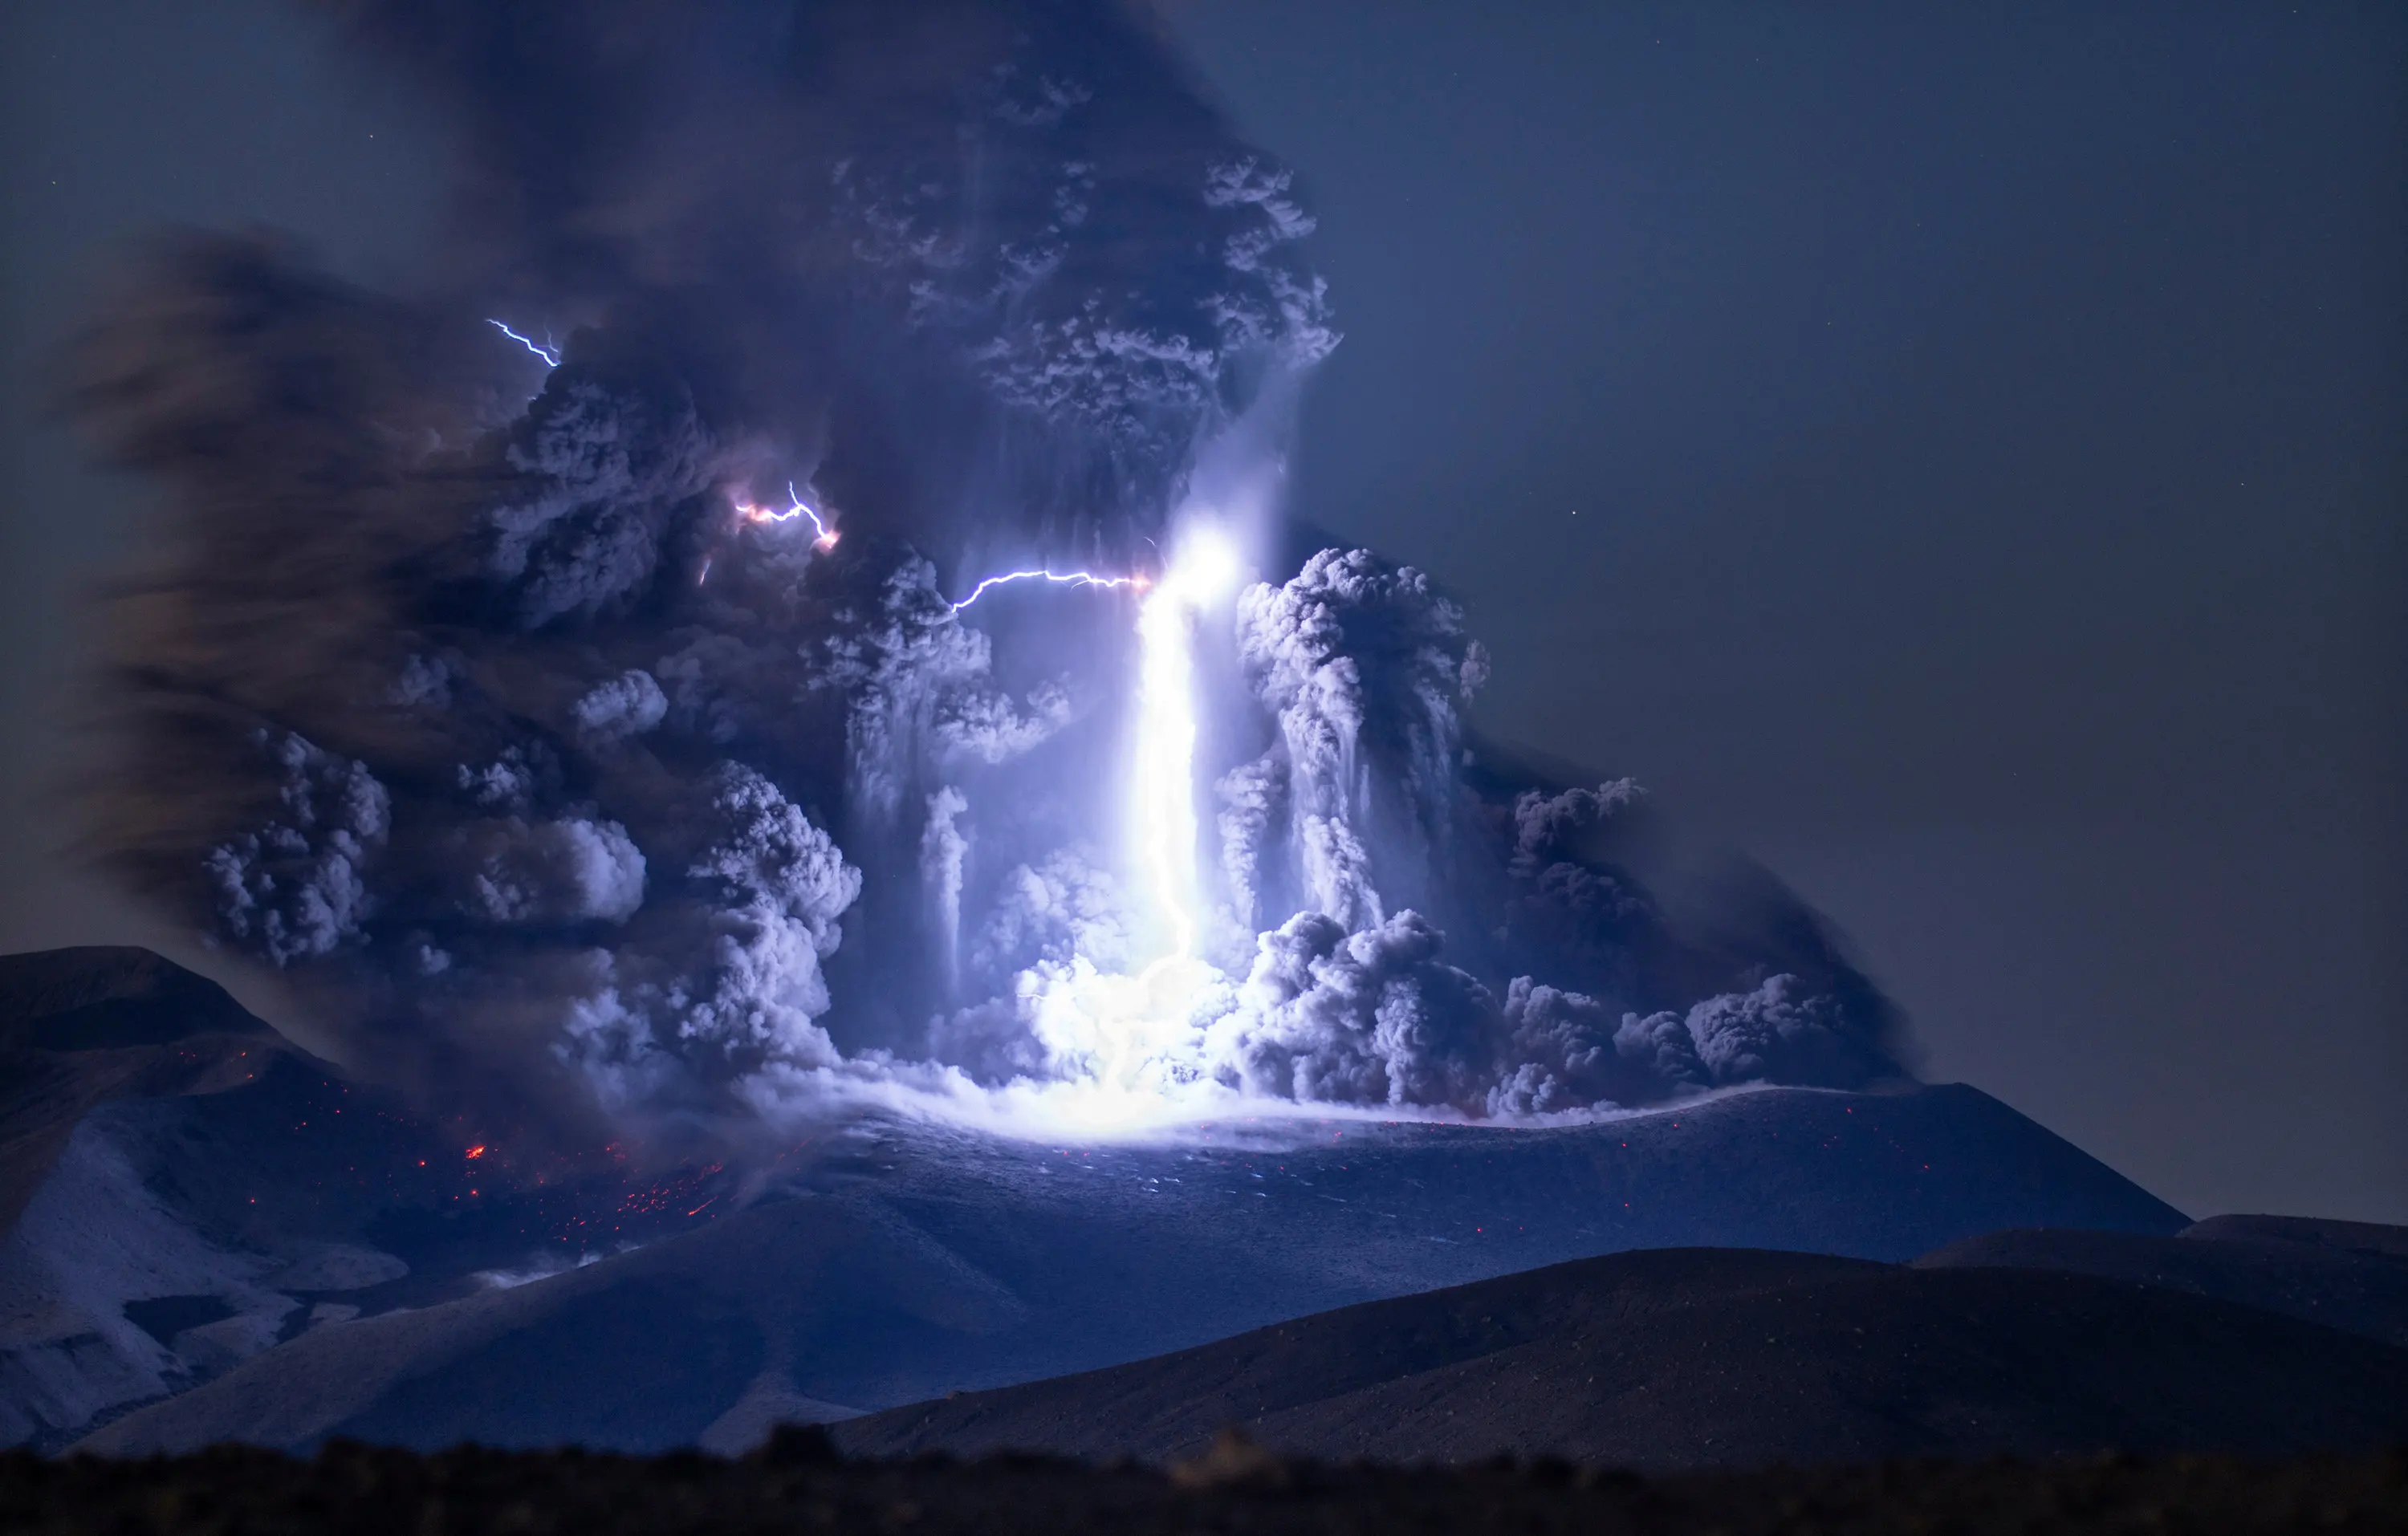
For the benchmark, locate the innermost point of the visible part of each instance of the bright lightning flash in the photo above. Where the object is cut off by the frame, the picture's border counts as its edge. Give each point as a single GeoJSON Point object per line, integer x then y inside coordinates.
{"type": "Point", "coordinates": [551, 356]}
{"type": "Point", "coordinates": [1131, 1030]}
{"type": "Point", "coordinates": [826, 539]}
{"type": "Point", "coordinates": [1202, 570]}
{"type": "Point", "coordinates": [1074, 579]}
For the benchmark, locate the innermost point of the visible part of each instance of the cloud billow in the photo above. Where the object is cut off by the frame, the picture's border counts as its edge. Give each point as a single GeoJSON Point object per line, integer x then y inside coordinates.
{"type": "Point", "coordinates": [515, 713]}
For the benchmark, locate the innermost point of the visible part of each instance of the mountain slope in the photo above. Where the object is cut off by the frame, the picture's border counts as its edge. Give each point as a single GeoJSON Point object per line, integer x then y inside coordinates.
{"type": "Point", "coordinates": [204, 1200]}
{"type": "Point", "coordinates": [187, 1189]}
{"type": "Point", "coordinates": [1715, 1357]}
{"type": "Point", "coordinates": [94, 1266]}
{"type": "Point", "coordinates": [1041, 1261]}
{"type": "Point", "coordinates": [81, 1027]}
{"type": "Point", "coordinates": [2347, 1275]}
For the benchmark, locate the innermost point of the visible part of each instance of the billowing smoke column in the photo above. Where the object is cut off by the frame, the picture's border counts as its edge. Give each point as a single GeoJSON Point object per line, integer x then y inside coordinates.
{"type": "Point", "coordinates": [586, 675]}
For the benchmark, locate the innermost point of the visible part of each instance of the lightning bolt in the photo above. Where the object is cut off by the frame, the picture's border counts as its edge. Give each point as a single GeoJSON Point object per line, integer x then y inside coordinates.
{"type": "Point", "coordinates": [551, 356]}
{"type": "Point", "coordinates": [1071, 579]}
{"type": "Point", "coordinates": [827, 535]}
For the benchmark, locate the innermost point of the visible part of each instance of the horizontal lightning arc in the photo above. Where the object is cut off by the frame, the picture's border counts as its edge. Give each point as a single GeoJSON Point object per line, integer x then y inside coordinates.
{"type": "Point", "coordinates": [1073, 578]}
{"type": "Point", "coordinates": [551, 356]}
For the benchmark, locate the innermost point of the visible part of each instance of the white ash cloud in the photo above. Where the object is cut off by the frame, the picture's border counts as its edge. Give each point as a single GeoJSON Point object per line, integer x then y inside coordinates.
{"type": "Point", "coordinates": [1065, 907]}
{"type": "Point", "coordinates": [944, 849]}
{"type": "Point", "coordinates": [1254, 805]}
{"type": "Point", "coordinates": [994, 728]}
{"type": "Point", "coordinates": [1361, 664]}
{"type": "Point", "coordinates": [915, 679]}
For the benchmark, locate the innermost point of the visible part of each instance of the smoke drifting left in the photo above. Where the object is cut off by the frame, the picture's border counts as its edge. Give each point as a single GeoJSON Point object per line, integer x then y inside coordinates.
{"type": "Point", "coordinates": [463, 688]}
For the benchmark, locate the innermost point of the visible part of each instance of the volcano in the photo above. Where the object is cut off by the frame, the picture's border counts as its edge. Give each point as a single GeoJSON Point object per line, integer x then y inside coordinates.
{"type": "Point", "coordinates": [842, 844]}
{"type": "Point", "coordinates": [228, 1239]}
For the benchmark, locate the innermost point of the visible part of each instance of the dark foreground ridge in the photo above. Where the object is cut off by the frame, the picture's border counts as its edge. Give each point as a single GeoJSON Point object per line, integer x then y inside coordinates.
{"type": "Point", "coordinates": [797, 1483]}
{"type": "Point", "coordinates": [1692, 1359]}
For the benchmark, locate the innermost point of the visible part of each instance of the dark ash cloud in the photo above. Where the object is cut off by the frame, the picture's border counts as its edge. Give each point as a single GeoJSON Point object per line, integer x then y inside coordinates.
{"type": "Point", "coordinates": [513, 712]}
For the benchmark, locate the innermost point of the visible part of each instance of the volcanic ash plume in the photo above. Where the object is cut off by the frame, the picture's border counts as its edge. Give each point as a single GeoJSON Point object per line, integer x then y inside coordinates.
{"type": "Point", "coordinates": [773, 619]}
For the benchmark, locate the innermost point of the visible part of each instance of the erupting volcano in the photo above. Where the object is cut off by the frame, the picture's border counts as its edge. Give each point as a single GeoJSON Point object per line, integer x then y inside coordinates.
{"type": "Point", "coordinates": [830, 836]}
{"type": "Point", "coordinates": [858, 656]}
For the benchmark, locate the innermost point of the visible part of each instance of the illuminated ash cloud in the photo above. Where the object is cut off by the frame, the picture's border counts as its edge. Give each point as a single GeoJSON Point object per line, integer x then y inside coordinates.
{"type": "Point", "coordinates": [783, 885]}
{"type": "Point", "coordinates": [1364, 667]}
{"type": "Point", "coordinates": [478, 693]}
{"type": "Point", "coordinates": [993, 260]}
{"type": "Point", "coordinates": [1467, 945]}
{"type": "Point", "coordinates": [502, 699]}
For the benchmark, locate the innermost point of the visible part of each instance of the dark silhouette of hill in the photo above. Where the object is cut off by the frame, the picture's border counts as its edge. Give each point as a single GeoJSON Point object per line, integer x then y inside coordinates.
{"type": "Point", "coordinates": [2348, 1276]}
{"type": "Point", "coordinates": [796, 1483]}
{"type": "Point", "coordinates": [1686, 1359]}
{"type": "Point", "coordinates": [2305, 1232]}
{"type": "Point", "coordinates": [80, 1027]}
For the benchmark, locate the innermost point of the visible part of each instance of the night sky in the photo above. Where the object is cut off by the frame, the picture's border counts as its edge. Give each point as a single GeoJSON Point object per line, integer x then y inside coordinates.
{"type": "Point", "coordinates": [1955, 455]}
